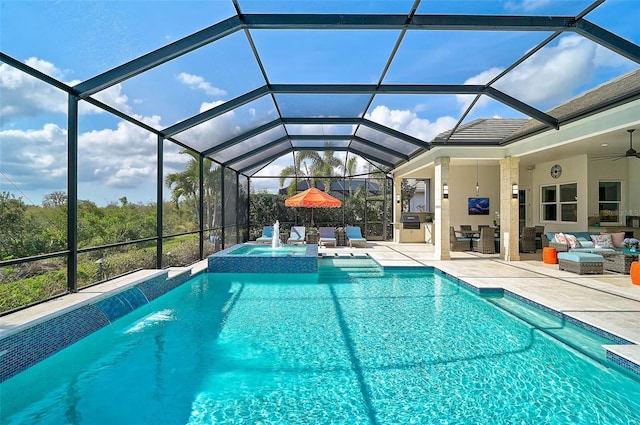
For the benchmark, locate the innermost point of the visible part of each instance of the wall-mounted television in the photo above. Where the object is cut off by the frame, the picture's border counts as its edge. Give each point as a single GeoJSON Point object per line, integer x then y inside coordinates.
{"type": "Point", "coordinates": [478, 206]}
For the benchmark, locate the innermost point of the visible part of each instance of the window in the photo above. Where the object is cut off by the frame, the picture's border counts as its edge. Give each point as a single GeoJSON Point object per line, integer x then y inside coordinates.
{"type": "Point", "coordinates": [609, 198]}
{"type": "Point", "coordinates": [559, 202]}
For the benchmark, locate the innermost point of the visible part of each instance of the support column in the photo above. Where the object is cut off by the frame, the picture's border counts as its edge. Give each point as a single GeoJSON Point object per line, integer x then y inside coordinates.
{"type": "Point", "coordinates": [72, 194]}
{"type": "Point", "coordinates": [441, 219]}
{"type": "Point", "coordinates": [509, 214]}
{"type": "Point", "coordinates": [397, 208]}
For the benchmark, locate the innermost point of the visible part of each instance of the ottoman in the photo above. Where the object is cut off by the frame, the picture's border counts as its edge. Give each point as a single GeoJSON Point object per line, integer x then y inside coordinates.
{"type": "Point", "coordinates": [580, 262]}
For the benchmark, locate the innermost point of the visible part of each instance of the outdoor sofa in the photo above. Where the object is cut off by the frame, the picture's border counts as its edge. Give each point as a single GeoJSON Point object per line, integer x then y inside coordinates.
{"type": "Point", "coordinates": [591, 242]}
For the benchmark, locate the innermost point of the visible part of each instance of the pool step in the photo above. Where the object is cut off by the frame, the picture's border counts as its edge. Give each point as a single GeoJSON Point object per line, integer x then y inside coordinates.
{"type": "Point", "coordinates": [567, 333]}
{"type": "Point", "coordinates": [328, 274]}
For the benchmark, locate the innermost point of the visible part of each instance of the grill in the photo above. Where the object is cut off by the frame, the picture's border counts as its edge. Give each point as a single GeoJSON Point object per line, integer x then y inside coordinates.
{"type": "Point", "coordinates": [410, 221]}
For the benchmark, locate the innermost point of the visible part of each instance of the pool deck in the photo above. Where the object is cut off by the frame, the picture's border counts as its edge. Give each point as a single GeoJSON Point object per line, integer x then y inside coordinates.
{"type": "Point", "coordinates": [609, 301]}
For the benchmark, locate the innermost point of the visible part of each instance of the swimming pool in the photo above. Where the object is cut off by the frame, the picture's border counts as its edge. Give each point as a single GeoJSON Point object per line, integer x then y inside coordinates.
{"type": "Point", "coordinates": [353, 345]}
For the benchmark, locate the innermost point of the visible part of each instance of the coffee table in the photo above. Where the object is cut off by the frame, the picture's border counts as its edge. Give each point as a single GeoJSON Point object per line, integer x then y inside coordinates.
{"type": "Point", "coordinates": [618, 261]}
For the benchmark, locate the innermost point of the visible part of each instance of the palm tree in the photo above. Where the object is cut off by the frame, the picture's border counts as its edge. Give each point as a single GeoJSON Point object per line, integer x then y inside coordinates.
{"type": "Point", "coordinates": [185, 188]}
{"type": "Point", "coordinates": [320, 168]}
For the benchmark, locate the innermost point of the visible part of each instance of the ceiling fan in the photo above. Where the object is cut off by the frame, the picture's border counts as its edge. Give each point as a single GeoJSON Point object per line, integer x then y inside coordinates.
{"type": "Point", "coordinates": [630, 153]}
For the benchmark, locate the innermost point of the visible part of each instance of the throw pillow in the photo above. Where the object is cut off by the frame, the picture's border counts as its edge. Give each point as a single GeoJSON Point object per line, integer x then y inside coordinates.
{"type": "Point", "coordinates": [586, 243]}
{"type": "Point", "coordinates": [602, 241]}
{"type": "Point", "coordinates": [616, 239]}
{"type": "Point", "coordinates": [572, 241]}
{"type": "Point", "coordinates": [560, 238]}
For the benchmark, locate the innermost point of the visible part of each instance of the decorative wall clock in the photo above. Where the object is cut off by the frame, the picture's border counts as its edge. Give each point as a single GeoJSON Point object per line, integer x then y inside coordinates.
{"type": "Point", "coordinates": [556, 171]}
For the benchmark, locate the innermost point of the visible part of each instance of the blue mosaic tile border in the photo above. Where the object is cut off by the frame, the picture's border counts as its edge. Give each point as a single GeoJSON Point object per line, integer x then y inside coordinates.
{"type": "Point", "coordinates": [222, 262]}
{"type": "Point", "coordinates": [25, 348]}
{"type": "Point", "coordinates": [29, 346]}
{"type": "Point", "coordinates": [155, 287]}
{"type": "Point", "coordinates": [120, 304]}
{"type": "Point", "coordinates": [623, 363]}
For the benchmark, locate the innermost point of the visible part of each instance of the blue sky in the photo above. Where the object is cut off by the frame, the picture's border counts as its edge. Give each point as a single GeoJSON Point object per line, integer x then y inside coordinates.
{"type": "Point", "coordinates": [76, 40]}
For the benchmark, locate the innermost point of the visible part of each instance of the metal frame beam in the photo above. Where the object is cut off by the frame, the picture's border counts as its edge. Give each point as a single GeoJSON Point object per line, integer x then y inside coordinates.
{"type": "Point", "coordinates": [242, 137]}
{"type": "Point", "coordinates": [254, 152]}
{"type": "Point", "coordinates": [472, 89]}
{"type": "Point", "coordinates": [399, 22]}
{"type": "Point", "coordinates": [214, 112]}
{"type": "Point", "coordinates": [266, 160]}
{"type": "Point", "coordinates": [608, 39]}
{"type": "Point", "coordinates": [395, 133]}
{"type": "Point", "coordinates": [158, 57]}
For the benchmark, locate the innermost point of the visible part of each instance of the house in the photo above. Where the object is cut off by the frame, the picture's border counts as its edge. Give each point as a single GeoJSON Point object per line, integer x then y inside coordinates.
{"type": "Point", "coordinates": [570, 179]}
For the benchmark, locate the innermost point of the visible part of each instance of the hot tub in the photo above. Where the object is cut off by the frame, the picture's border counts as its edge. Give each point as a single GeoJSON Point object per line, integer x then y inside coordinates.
{"type": "Point", "coordinates": [253, 258]}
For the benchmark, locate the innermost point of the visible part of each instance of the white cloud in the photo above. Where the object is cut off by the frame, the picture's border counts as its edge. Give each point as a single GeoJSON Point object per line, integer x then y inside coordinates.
{"type": "Point", "coordinates": [408, 122]}
{"type": "Point", "coordinates": [552, 74]}
{"type": "Point", "coordinates": [35, 158]}
{"type": "Point", "coordinates": [121, 157]}
{"type": "Point", "coordinates": [199, 83]}
{"type": "Point", "coordinates": [26, 96]}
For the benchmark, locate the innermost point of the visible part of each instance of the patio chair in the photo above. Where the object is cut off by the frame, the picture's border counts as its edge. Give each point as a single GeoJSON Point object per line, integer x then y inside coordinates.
{"type": "Point", "coordinates": [297, 234]}
{"type": "Point", "coordinates": [267, 235]}
{"type": "Point", "coordinates": [354, 236]}
{"type": "Point", "coordinates": [485, 243]}
{"type": "Point", "coordinates": [458, 243]}
{"type": "Point", "coordinates": [465, 227]}
{"type": "Point", "coordinates": [528, 239]}
{"type": "Point", "coordinates": [327, 236]}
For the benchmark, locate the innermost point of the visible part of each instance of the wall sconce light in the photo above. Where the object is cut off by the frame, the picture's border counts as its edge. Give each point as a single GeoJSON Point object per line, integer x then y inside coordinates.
{"type": "Point", "coordinates": [445, 191]}
{"type": "Point", "coordinates": [514, 191]}
{"type": "Point", "coordinates": [397, 199]}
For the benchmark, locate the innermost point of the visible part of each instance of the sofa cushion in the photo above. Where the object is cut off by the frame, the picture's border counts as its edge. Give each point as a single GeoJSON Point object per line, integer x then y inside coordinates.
{"type": "Point", "coordinates": [572, 241]}
{"type": "Point", "coordinates": [561, 238]}
{"type": "Point", "coordinates": [592, 250]}
{"type": "Point", "coordinates": [551, 236]}
{"type": "Point", "coordinates": [602, 241]}
{"type": "Point", "coordinates": [616, 238]}
{"type": "Point", "coordinates": [580, 257]}
{"type": "Point", "coordinates": [585, 243]}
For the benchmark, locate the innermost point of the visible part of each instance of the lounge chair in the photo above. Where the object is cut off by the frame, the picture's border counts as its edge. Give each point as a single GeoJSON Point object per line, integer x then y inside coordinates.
{"type": "Point", "coordinates": [458, 243]}
{"type": "Point", "coordinates": [267, 235]}
{"type": "Point", "coordinates": [297, 234]}
{"type": "Point", "coordinates": [327, 236]}
{"type": "Point", "coordinates": [354, 236]}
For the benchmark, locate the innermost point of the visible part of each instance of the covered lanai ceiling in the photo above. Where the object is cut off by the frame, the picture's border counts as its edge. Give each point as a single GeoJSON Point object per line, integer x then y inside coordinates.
{"type": "Point", "coordinates": [378, 80]}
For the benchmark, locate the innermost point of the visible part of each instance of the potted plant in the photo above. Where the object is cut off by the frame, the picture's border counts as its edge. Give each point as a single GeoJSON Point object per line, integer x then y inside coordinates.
{"type": "Point", "coordinates": [631, 244]}
{"type": "Point", "coordinates": [341, 236]}
{"type": "Point", "coordinates": [312, 235]}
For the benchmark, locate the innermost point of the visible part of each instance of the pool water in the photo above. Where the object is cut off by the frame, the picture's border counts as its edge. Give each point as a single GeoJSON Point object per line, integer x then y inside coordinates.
{"type": "Point", "coordinates": [353, 345]}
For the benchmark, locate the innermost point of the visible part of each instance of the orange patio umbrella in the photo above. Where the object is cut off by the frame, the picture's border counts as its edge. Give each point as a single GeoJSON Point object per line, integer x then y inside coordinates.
{"type": "Point", "coordinates": [313, 198]}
